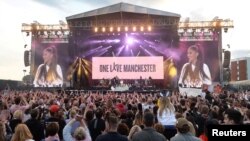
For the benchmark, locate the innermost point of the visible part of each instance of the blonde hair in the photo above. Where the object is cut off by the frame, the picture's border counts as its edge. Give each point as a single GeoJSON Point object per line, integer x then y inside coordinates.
{"type": "Point", "coordinates": [80, 133]}
{"type": "Point", "coordinates": [18, 114]}
{"type": "Point", "coordinates": [133, 130]}
{"type": "Point", "coordinates": [72, 113]}
{"type": "Point", "coordinates": [138, 119]}
{"type": "Point", "coordinates": [2, 131]}
{"type": "Point", "coordinates": [165, 104]}
{"type": "Point", "coordinates": [22, 133]}
{"type": "Point", "coordinates": [191, 130]}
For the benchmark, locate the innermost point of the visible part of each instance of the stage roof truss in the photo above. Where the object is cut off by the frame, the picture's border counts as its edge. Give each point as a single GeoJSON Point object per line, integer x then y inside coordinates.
{"type": "Point", "coordinates": [186, 30]}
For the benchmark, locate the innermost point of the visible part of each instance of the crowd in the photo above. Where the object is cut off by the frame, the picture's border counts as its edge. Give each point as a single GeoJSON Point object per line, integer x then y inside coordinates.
{"type": "Point", "coordinates": [93, 116]}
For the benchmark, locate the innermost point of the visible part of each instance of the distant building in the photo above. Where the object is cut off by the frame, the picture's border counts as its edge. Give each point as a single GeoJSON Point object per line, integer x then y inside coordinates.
{"type": "Point", "coordinates": [240, 69]}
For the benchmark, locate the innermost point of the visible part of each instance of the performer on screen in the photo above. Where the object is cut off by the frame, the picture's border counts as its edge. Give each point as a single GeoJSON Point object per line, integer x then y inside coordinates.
{"type": "Point", "coordinates": [195, 73]}
{"type": "Point", "coordinates": [49, 74]}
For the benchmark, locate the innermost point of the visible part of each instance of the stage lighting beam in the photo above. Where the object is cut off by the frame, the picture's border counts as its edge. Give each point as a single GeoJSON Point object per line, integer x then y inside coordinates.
{"type": "Point", "coordinates": [129, 40]}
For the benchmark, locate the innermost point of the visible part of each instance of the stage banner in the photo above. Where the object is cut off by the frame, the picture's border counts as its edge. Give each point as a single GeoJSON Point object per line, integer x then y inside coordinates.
{"type": "Point", "coordinates": [127, 67]}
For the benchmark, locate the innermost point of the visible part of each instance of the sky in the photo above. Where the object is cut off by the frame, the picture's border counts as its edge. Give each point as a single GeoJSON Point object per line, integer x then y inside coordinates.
{"type": "Point", "coordinates": [15, 12]}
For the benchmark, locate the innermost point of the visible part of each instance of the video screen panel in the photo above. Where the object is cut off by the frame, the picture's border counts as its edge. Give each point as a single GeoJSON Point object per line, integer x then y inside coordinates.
{"type": "Point", "coordinates": [51, 63]}
{"type": "Point", "coordinates": [198, 66]}
{"type": "Point", "coordinates": [198, 63]}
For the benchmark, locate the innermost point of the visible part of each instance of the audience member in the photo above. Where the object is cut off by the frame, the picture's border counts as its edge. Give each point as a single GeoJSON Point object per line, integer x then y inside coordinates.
{"type": "Point", "coordinates": [22, 133]}
{"type": "Point", "coordinates": [183, 131]}
{"type": "Point", "coordinates": [111, 129]}
{"type": "Point", "coordinates": [148, 133]}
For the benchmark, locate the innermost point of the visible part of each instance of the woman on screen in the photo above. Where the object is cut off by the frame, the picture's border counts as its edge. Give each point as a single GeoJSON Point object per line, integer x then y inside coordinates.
{"type": "Point", "coordinates": [195, 73]}
{"type": "Point", "coordinates": [49, 74]}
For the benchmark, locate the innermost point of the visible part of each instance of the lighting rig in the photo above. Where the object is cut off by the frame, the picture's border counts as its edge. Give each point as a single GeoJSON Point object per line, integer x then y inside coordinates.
{"type": "Point", "coordinates": [203, 30]}
{"type": "Point", "coordinates": [187, 30]}
{"type": "Point", "coordinates": [47, 33]}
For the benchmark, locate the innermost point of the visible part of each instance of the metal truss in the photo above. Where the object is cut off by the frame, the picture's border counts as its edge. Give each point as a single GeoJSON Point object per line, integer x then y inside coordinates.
{"type": "Point", "coordinates": [187, 30]}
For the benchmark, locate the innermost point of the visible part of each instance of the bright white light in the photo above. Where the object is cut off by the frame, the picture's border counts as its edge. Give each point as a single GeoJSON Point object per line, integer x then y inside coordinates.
{"type": "Point", "coordinates": [118, 29]}
{"type": "Point", "coordinates": [134, 28]}
{"type": "Point", "coordinates": [117, 40]}
{"type": "Point", "coordinates": [129, 40]}
{"type": "Point", "coordinates": [96, 29]}
{"type": "Point", "coordinates": [149, 28]}
{"type": "Point", "coordinates": [142, 28]}
{"type": "Point", "coordinates": [111, 29]}
{"type": "Point", "coordinates": [103, 29]}
{"type": "Point", "coordinates": [126, 28]}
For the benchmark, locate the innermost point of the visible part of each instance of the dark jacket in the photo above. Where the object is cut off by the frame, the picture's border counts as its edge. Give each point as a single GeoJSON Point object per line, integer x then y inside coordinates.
{"type": "Point", "coordinates": [36, 128]}
{"type": "Point", "coordinates": [14, 123]}
{"type": "Point", "coordinates": [148, 134]}
{"type": "Point", "coordinates": [111, 136]}
{"type": "Point", "coordinates": [61, 123]}
{"type": "Point", "coordinates": [96, 127]}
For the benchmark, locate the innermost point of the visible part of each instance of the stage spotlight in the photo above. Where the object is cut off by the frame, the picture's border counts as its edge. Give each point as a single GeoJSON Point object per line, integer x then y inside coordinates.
{"type": "Point", "coordinates": [111, 29]}
{"type": "Point", "coordinates": [129, 40]}
{"type": "Point", "coordinates": [216, 24]}
{"type": "Point", "coordinates": [149, 28]}
{"type": "Point", "coordinates": [116, 40]}
{"type": "Point", "coordinates": [103, 29]}
{"type": "Point", "coordinates": [142, 28]}
{"type": "Point", "coordinates": [172, 71]}
{"type": "Point", "coordinates": [134, 28]}
{"type": "Point", "coordinates": [96, 29]}
{"type": "Point", "coordinates": [118, 29]}
{"type": "Point", "coordinates": [126, 28]}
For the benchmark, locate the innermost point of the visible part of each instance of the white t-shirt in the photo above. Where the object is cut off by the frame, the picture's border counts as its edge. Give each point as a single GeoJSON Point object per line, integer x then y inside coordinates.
{"type": "Point", "coordinates": [167, 117]}
{"type": "Point", "coordinates": [203, 80]}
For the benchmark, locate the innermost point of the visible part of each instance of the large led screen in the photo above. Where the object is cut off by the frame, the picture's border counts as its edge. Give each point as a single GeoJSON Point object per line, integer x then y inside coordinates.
{"type": "Point", "coordinates": [198, 63]}
{"type": "Point", "coordinates": [51, 63]}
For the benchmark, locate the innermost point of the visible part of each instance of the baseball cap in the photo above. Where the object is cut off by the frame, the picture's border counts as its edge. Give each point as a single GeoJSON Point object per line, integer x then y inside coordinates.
{"type": "Point", "coordinates": [54, 108]}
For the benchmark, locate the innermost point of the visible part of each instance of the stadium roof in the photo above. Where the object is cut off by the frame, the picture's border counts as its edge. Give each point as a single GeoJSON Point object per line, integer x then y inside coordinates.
{"type": "Point", "coordinates": [123, 7]}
